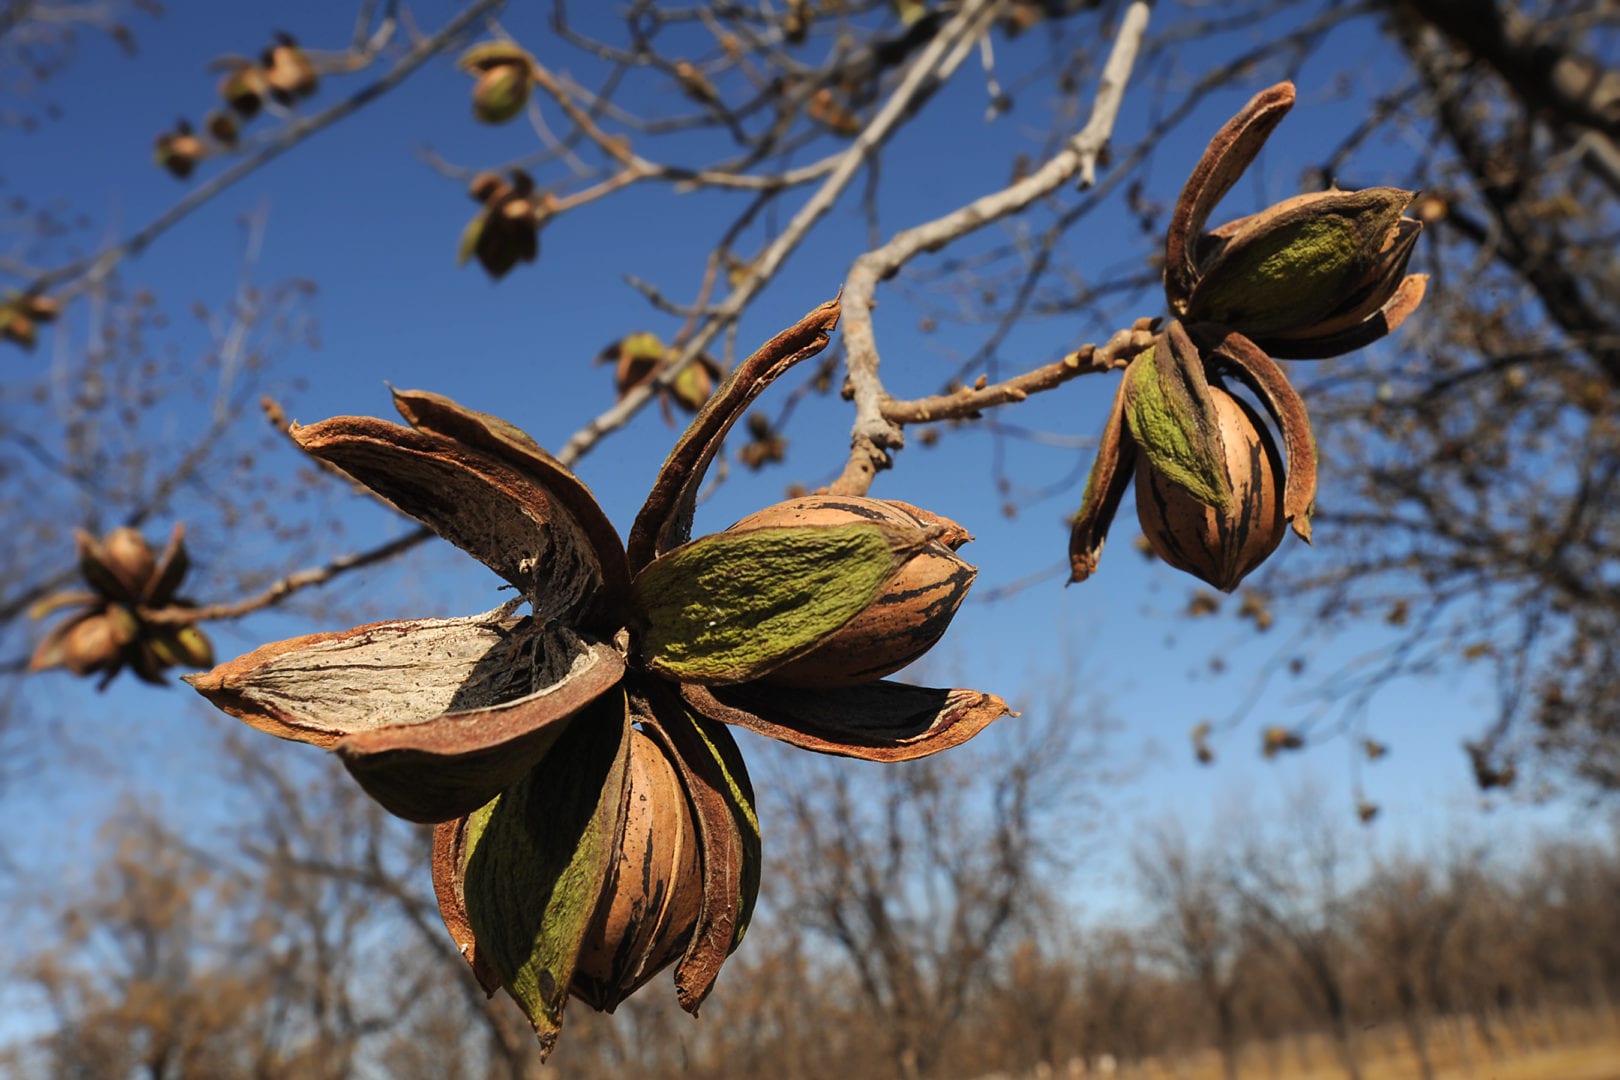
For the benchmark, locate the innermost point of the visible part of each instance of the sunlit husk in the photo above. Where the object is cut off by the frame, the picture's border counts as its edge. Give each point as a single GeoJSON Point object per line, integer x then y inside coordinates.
{"type": "Point", "coordinates": [1219, 548]}
{"type": "Point", "coordinates": [909, 617]}
{"type": "Point", "coordinates": [289, 73]}
{"type": "Point", "coordinates": [654, 891]}
{"type": "Point", "coordinates": [126, 553]}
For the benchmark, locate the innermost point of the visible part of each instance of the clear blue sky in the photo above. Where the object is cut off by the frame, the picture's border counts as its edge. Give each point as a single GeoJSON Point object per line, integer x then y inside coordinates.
{"type": "Point", "coordinates": [357, 211]}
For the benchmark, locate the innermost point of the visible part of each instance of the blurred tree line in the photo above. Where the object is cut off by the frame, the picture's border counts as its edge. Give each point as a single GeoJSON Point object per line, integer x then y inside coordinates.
{"type": "Point", "coordinates": [924, 925]}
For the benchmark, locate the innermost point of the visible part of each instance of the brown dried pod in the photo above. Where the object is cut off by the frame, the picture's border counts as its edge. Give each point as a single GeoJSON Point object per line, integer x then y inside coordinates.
{"type": "Point", "coordinates": [796, 21]}
{"type": "Point", "coordinates": [488, 187]}
{"type": "Point", "coordinates": [181, 646]}
{"type": "Point", "coordinates": [696, 382]}
{"type": "Point", "coordinates": [18, 328]}
{"type": "Point", "coordinates": [507, 231]}
{"type": "Point", "coordinates": [913, 611]}
{"type": "Point", "coordinates": [288, 71]}
{"type": "Point", "coordinates": [95, 643]}
{"type": "Point", "coordinates": [178, 151]}
{"type": "Point", "coordinates": [42, 309]}
{"type": "Point", "coordinates": [125, 552]}
{"type": "Point", "coordinates": [243, 89]}
{"type": "Point", "coordinates": [1314, 276]}
{"type": "Point", "coordinates": [223, 127]}
{"type": "Point", "coordinates": [111, 627]}
{"type": "Point", "coordinates": [1275, 740]}
{"type": "Point", "coordinates": [694, 83]}
{"type": "Point", "coordinates": [654, 891]}
{"type": "Point", "coordinates": [826, 109]}
{"type": "Point", "coordinates": [1212, 544]}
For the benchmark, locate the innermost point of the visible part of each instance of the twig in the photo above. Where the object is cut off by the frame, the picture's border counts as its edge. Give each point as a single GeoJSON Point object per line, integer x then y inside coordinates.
{"type": "Point", "coordinates": [875, 432]}
{"type": "Point", "coordinates": [1116, 352]}
{"type": "Point", "coordinates": [921, 77]}
{"type": "Point", "coordinates": [301, 579]}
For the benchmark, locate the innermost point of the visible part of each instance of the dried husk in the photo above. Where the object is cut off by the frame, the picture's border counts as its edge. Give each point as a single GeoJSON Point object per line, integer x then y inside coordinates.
{"type": "Point", "coordinates": [95, 643]}
{"type": "Point", "coordinates": [181, 646]}
{"type": "Point", "coordinates": [654, 892]}
{"type": "Point", "coordinates": [906, 619]}
{"type": "Point", "coordinates": [501, 510]}
{"type": "Point", "coordinates": [432, 412]}
{"type": "Point", "coordinates": [878, 721]}
{"type": "Point", "coordinates": [1245, 361]}
{"type": "Point", "coordinates": [1111, 472]}
{"type": "Point", "coordinates": [1218, 547]}
{"type": "Point", "coordinates": [243, 88]}
{"type": "Point", "coordinates": [1228, 154]}
{"type": "Point", "coordinates": [178, 152]}
{"type": "Point", "coordinates": [492, 54]}
{"type": "Point", "coordinates": [665, 519]}
{"type": "Point", "coordinates": [288, 72]}
{"type": "Point", "coordinates": [695, 383]}
{"type": "Point", "coordinates": [715, 781]}
{"type": "Point", "coordinates": [125, 553]}
{"type": "Point", "coordinates": [1313, 264]}
{"type": "Point", "coordinates": [1171, 416]}
{"type": "Point", "coordinates": [529, 868]}
{"type": "Point", "coordinates": [737, 605]}
{"type": "Point", "coordinates": [432, 716]}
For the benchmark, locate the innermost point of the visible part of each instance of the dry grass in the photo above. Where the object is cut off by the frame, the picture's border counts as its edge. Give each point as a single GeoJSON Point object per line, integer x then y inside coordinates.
{"type": "Point", "coordinates": [1542, 1046]}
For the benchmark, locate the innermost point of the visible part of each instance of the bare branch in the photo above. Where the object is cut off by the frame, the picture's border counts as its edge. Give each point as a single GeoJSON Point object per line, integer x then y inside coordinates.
{"type": "Point", "coordinates": [932, 65]}
{"type": "Point", "coordinates": [273, 146]}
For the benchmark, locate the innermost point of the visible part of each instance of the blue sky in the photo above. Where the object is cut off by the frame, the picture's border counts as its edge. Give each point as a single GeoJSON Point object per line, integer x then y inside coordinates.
{"type": "Point", "coordinates": [358, 212]}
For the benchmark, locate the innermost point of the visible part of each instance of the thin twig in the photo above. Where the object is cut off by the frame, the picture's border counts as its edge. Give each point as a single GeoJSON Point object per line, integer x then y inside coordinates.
{"type": "Point", "coordinates": [301, 579]}
{"type": "Point", "coordinates": [1116, 352]}
{"type": "Point", "coordinates": [925, 72]}
{"type": "Point", "coordinates": [876, 433]}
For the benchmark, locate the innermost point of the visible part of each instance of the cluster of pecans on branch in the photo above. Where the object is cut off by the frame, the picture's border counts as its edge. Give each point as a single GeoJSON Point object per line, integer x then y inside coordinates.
{"type": "Point", "coordinates": [117, 622]}
{"type": "Point", "coordinates": [595, 822]}
{"type": "Point", "coordinates": [506, 229]}
{"type": "Point", "coordinates": [283, 74]}
{"type": "Point", "coordinates": [1314, 276]}
{"type": "Point", "coordinates": [640, 357]}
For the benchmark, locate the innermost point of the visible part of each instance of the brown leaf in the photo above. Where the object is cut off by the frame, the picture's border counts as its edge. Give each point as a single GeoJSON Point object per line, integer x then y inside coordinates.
{"type": "Point", "coordinates": [171, 569]}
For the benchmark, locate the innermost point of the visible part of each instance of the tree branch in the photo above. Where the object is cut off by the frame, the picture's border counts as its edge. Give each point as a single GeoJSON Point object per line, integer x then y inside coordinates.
{"type": "Point", "coordinates": [933, 64]}
{"type": "Point", "coordinates": [875, 432]}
